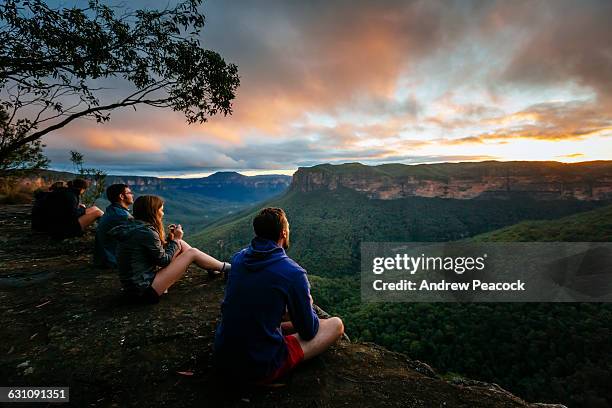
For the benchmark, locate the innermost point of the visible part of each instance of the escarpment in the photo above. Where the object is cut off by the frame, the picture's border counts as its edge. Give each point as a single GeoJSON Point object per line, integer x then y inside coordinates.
{"type": "Point", "coordinates": [483, 180]}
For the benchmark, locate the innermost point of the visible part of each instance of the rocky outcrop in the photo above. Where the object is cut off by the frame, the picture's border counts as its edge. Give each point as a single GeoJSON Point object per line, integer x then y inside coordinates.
{"type": "Point", "coordinates": [64, 324]}
{"type": "Point", "coordinates": [539, 180]}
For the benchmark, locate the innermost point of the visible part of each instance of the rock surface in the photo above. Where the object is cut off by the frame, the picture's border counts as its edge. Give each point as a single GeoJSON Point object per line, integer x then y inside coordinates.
{"type": "Point", "coordinates": [65, 324]}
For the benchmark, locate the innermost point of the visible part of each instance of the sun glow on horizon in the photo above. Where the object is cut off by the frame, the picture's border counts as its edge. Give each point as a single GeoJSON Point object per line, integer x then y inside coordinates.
{"type": "Point", "coordinates": [501, 84]}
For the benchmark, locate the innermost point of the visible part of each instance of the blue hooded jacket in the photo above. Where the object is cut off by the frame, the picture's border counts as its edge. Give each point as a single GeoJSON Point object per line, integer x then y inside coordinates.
{"type": "Point", "coordinates": [262, 285]}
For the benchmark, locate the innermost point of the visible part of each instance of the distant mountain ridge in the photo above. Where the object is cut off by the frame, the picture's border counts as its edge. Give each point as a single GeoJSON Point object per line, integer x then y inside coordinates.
{"type": "Point", "coordinates": [194, 203]}
{"type": "Point", "coordinates": [229, 185]}
{"type": "Point", "coordinates": [467, 180]}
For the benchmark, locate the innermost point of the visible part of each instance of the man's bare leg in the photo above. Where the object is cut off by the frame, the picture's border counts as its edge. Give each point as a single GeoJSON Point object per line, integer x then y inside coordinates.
{"type": "Point", "coordinates": [330, 330]}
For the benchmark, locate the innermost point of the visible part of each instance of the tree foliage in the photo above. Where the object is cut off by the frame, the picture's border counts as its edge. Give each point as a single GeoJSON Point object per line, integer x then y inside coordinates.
{"type": "Point", "coordinates": [21, 158]}
{"type": "Point", "coordinates": [96, 177]}
{"type": "Point", "coordinates": [340, 220]}
{"type": "Point", "coordinates": [59, 64]}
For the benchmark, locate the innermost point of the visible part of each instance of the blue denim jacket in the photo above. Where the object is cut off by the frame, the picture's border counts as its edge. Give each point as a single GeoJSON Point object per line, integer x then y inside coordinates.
{"type": "Point", "coordinates": [105, 252]}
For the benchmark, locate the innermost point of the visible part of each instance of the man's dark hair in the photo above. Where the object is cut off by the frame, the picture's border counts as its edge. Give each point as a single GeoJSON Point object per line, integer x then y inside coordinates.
{"type": "Point", "coordinates": [78, 184]}
{"type": "Point", "coordinates": [114, 191]}
{"type": "Point", "coordinates": [269, 223]}
{"type": "Point", "coordinates": [57, 185]}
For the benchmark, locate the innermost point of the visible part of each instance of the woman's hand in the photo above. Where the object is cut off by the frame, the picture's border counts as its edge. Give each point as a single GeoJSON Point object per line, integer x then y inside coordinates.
{"type": "Point", "coordinates": [178, 232]}
{"type": "Point", "coordinates": [175, 232]}
{"type": "Point", "coordinates": [171, 234]}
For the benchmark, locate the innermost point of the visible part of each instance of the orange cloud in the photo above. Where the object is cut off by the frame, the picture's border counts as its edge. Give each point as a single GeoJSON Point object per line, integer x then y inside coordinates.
{"type": "Point", "coordinates": [552, 121]}
{"type": "Point", "coordinates": [342, 55]}
{"type": "Point", "coordinates": [118, 141]}
{"type": "Point", "coordinates": [571, 156]}
{"type": "Point", "coordinates": [298, 63]}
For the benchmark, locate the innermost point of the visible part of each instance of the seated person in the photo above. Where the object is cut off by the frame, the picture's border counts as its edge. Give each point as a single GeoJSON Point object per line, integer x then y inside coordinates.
{"type": "Point", "coordinates": [39, 220]}
{"type": "Point", "coordinates": [64, 215]}
{"type": "Point", "coordinates": [105, 250]}
{"type": "Point", "coordinates": [262, 285]}
{"type": "Point", "coordinates": [143, 249]}
{"type": "Point", "coordinates": [57, 185]}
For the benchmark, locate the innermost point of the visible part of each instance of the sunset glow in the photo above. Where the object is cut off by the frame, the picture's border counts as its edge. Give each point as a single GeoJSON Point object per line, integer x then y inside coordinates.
{"type": "Point", "coordinates": [405, 82]}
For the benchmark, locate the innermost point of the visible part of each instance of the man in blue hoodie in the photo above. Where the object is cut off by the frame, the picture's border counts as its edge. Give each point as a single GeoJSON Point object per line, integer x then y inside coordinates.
{"type": "Point", "coordinates": [105, 250]}
{"type": "Point", "coordinates": [263, 286]}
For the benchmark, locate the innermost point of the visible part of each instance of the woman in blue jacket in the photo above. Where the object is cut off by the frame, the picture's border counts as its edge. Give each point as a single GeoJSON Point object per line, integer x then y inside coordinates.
{"type": "Point", "coordinates": [148, 262]}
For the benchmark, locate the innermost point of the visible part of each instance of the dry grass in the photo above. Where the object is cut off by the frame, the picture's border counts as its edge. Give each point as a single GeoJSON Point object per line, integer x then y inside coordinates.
{"type": "Point", "coordinates": [14, 192]}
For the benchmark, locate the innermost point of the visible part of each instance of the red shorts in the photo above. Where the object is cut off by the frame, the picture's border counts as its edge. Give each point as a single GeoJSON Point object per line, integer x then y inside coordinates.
{"type": "Point", "coordinates": [295, 355]}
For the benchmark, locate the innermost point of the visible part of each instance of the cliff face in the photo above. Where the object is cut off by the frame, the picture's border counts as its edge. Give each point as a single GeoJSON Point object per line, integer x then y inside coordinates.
{"type": "Point", "coordinates": [541, 181]}
{"type": "Point", "coordinates": [64, 324]}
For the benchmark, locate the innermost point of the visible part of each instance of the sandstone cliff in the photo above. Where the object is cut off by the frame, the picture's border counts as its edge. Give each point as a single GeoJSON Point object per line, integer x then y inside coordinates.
{"type": "Point", "coordinates": [539, 180]}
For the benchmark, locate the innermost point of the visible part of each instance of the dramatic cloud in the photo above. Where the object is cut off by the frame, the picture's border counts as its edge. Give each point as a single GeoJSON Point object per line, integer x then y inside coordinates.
{"type": "Point", "coordinates": [548, 121]}
{"type": "Point", "coordinates": [571, 41]}
{"type": "Point", "coordinates": [375, 82]}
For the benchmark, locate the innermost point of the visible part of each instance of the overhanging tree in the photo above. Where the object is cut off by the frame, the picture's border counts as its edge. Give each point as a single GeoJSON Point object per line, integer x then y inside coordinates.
{"type": "Point", "coordinates": [61, 64]}
{"type": "Point", "coordinates": [24, 157]}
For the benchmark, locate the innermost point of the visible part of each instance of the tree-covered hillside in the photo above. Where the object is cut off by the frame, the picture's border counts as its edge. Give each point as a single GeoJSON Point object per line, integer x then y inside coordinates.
{"type": "Point", "coordinates": [552, 351]}
{"type": "Point", "coordinates": [327, 227]}
{"type": "Point", "coordinates": [591, 226]}
{"type": "Point", "coordinates": [443, 171]}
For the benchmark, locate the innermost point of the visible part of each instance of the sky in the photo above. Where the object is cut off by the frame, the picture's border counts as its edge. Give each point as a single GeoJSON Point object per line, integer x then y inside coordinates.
{"type": "Point", "coordinates": [379, 82]}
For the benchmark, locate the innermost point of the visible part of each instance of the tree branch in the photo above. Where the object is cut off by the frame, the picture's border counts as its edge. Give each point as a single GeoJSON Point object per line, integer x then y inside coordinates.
{"type": "Point", "coordinates": [37, 135]}
{"type": "Point", "coordinates": [48, 56]}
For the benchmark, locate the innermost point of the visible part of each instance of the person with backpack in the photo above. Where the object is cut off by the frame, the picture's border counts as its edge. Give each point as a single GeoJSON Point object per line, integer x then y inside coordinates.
{"type": "Point", "coordinates": [61, 213]}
